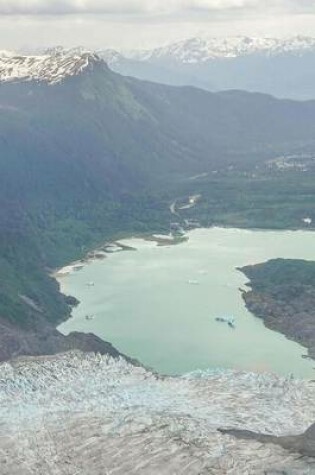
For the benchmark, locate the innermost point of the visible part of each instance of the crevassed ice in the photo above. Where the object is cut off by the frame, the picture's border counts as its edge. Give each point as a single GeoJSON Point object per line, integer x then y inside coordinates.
{"type": "Point", "coordinates": [77, 404]}
{"type": "Point", "coordinates": [77, 382]}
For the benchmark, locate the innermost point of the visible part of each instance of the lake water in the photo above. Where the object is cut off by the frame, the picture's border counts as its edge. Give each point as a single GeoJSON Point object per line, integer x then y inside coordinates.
{"type": "Point", "coordinates": [143, 303]}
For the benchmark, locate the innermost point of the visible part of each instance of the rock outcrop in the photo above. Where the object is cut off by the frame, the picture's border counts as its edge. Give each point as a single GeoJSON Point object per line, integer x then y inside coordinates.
{"type": "Point", "coordinates": [283, 294]}
{"type": "Point", "coordinates": [303, 443]}
{"type": "Point", "coordinates": [44, 339]}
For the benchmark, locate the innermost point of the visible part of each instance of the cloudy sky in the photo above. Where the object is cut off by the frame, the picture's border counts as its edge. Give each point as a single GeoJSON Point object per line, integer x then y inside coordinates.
{"type": "Point", "coordinates": [125, 24]}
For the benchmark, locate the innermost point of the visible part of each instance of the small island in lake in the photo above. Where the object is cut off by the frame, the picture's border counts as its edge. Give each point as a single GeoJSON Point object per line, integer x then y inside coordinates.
{"type": "Point", "coordinates": [283, 294]}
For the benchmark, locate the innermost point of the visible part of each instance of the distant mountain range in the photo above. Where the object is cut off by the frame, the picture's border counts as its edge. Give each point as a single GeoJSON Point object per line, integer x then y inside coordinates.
{"type": "Point", "coordinates": [281, 67]}
{"type": "Point", "coordinates": [284, 68]}
{"type": "Point", "coordinates": [196, 50]}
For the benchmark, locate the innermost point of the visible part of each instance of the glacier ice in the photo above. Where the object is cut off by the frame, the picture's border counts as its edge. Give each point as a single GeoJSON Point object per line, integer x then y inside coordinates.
{"type": "Point", "coordinates": [70, 406]}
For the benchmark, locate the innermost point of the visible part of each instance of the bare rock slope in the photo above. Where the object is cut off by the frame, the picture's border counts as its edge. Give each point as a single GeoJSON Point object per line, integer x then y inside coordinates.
{"type": "Point", "coordinates": [44, 339]}
{"type": "Point", "coordinates": [303, 443]}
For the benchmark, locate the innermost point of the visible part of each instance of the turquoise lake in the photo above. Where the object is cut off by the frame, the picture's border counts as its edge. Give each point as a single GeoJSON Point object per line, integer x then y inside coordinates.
{"type": "Point", "coordinates": [159, 303]}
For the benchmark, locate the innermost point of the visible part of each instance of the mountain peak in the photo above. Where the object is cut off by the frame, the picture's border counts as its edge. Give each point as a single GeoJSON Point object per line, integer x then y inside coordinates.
{"type": "Point", "coordinates": [51, 67]}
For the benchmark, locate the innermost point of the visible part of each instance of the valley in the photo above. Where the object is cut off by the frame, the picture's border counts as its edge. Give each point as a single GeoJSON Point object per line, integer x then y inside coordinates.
{"type": "Point", "coordinates": [89, 158]}
{"type": "Point", "coordinates": [63, 192]}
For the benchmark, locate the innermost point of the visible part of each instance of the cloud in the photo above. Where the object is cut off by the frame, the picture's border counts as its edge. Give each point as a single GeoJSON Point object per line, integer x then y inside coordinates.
{"type": "Point", "coordinates": [137, 24]}
{"type": "Point", "coordinates": [142, 7]}
{"type": "Point", "coordinates": [55, 7]}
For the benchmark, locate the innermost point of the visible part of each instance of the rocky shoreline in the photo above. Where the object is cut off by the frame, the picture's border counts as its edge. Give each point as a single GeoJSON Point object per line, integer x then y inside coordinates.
{"type": "Point", "coordinates": [45, 339]}
{"type": "Point", "coordinates": [42, 337]}
{"type": "Point", "coordinates": [282, 293]}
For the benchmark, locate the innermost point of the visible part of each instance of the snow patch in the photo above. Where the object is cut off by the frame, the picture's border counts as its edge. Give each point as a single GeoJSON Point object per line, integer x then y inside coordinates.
{"type": "Point", "coordinates": [51, 67]}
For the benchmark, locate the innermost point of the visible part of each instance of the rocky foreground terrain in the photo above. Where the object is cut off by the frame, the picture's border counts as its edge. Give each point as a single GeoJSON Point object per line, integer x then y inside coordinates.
{"type": "Point", "coordinates": [44, 339]}
{"type": "Point", "coordinates": [89, 414]}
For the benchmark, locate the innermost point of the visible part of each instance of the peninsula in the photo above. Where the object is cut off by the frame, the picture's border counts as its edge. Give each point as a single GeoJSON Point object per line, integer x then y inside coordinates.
{"type": "Point", "coordinates": [282, 293]}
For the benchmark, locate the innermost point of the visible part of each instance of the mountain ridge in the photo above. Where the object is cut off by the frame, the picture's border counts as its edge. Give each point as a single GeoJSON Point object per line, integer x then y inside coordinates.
{"type": "Point", "coordinates": [52, 66]}
{"type": "Point", "coordinates": [201, 49]}
{"type": "Point", "coordinates": [283, 68]}
{"type": "Point", "coordinates": [279, 67]}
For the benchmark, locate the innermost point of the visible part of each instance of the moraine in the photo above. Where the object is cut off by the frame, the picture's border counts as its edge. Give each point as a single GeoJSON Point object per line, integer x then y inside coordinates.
{"type": "Point", "coordinates": [143, 302]}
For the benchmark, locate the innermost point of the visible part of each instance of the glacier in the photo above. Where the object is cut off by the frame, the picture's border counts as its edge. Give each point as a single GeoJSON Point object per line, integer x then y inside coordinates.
{"type": "Point", "coordinates": [91, 414]}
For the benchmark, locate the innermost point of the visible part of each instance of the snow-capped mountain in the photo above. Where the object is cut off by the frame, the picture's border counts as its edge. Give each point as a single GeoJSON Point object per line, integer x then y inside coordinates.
{"type": "Point", "coordinates": [195, 50]}
{"type": "Point", "coordinates": [51, 66]}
